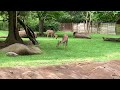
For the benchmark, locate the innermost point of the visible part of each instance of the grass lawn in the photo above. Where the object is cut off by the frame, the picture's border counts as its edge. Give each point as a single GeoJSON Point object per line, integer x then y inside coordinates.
{"type": "Point", "coordinates": [94, 49]}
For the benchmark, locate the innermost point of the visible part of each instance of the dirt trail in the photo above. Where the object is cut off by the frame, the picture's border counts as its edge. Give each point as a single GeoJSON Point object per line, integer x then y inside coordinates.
{"type": "Point", "coordinates": [81, 70]}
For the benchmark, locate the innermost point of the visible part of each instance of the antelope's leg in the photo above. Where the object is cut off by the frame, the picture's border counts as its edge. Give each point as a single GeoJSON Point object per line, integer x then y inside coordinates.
{"type": "Point", "coordinates": [47, 34]}
{"type": "Point", "coordinates": [63, 43]}
{"type": "Point", "coordinates": [66, 43]}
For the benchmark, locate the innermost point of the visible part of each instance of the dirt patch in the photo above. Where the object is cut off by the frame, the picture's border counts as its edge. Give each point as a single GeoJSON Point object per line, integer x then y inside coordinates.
{"type": "Point", "coordinates": [79, 70]}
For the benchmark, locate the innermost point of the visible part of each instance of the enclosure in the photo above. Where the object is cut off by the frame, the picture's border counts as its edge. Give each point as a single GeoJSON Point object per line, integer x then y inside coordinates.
{"type": "Point", "coordinates": [81, 58]}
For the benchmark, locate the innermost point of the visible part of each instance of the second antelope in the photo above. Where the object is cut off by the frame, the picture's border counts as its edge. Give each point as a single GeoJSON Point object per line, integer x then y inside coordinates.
{"type": "Point", "coordinates": [51, 33]}
{"type": "Point", "coordinates": [63, 41]}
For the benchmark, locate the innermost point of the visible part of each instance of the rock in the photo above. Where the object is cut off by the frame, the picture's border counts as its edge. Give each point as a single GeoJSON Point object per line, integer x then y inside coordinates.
{"type": "Point", "coordinates": [11, 54]}
{"type": "Point", "coordinates": [21, 49]}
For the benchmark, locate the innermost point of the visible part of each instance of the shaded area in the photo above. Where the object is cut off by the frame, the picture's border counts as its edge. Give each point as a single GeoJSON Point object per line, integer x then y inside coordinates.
{"type": "Point", "coordinates": [78, 70]}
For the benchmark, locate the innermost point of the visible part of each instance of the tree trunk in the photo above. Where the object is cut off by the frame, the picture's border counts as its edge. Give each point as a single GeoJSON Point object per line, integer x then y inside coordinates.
{"type": "Point", "coordinates": [91, 24]}
{"type": "Point", "coordinates": [87, 21]}
{"type": "Point", "coordinates": [98, 27]}
{"type": "Point", "coordinates": [117, 27]}
{"type": "Point", "coordinates": [13, 35]}
{"type": "Point", "coordinates": [90, 21]}
{"type": "Point", "coordinates": [41, 26]}
{"type": "Point", "coordinates": [84, 25]}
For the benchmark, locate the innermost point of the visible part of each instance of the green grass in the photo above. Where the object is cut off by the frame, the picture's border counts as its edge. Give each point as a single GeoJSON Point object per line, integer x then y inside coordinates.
{"type": "Point", "coordinates": [94, 49]}
{"type": "Point", "coordinates": [3, 33]}
{"type": "Point", "coordinates": [60, 34]}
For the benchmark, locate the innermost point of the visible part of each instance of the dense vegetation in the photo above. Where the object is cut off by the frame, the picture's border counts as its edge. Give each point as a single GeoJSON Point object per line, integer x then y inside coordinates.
{"type": "Point", "coordinates": [42, 20]}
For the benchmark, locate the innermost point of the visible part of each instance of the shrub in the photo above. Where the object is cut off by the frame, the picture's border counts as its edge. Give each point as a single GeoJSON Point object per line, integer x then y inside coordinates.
{"type": "Point", "coordinates": [3, 25]}
{"type": "Point", "coordinates": [52, 25]}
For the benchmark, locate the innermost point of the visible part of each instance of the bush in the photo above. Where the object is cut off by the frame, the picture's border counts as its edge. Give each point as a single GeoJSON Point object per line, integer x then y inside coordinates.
{"type": "Point", "coordinates": [61, 33]}
{"type": "Point", "coordinates": [52, 25]}
{"type": "Point", "coordinates": [49, 25]}
{"type": "Point", "coordinates": [3, 25]}
{"type": "Point", "coordinates": [32, 23]}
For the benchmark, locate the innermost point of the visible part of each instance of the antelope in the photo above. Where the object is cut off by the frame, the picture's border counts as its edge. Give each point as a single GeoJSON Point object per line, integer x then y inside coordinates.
{"type": "Point", "coordinates": [50, 32]}
{"type": "Point", "coordinates": [64, 40]}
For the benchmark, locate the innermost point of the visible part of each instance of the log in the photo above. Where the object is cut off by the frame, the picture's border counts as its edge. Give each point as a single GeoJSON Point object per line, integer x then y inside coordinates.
{"type": "Point", "coordinates": [111, 39]}
{"type": "Point", "coordinates": [24, 35]}
{"type": "Point", "coordinates": [81, 35]}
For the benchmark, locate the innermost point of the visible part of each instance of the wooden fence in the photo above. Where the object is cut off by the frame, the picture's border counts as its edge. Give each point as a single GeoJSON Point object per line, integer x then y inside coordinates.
{"type": "Point", "coordinates": [105, 28]}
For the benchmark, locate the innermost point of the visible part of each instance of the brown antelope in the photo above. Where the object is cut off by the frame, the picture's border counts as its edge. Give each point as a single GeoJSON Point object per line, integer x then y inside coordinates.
{"type": "Point", "coordinates": [64, 40]}
{"type": "Point", "coordinates": [50, 32]}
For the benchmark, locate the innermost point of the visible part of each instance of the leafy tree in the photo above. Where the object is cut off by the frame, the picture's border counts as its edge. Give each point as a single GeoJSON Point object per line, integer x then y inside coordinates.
{"type": "Point", "coordinates": [47, 16]}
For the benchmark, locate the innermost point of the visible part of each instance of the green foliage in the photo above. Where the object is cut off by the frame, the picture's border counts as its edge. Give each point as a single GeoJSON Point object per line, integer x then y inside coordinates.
{"type": "Point", "coordinates": [52, 25]}
{"type": "Point", "coordinates": [104, 16]}
{"type": "Point", "coordinates": [3, 25]}
{"type": "Point", "coordinates": [66, 17]}
{"type": "Point", "coordinates": [72, 16]}
{"type": "Point", "coordinates": [32, 22]}
{"type": "Point", "coordinates": [61, 33]}
{"type": "Point", "coordinates": [77, 16]}
{"type": "Point", "coordinates": [3, 20]}
{"type": "Point", "coordinates": [24, 14]}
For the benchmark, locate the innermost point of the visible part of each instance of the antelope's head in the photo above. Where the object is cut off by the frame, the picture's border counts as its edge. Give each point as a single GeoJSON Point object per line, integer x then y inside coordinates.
{"type": "Point", "coordinates": [56, 36]}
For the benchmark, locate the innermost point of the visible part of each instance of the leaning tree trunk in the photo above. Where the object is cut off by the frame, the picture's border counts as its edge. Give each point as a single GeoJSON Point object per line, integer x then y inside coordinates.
{"type": "Point", "coordinates": [13, 35]}
{"type": "Point", "coordinates": [29, 32]}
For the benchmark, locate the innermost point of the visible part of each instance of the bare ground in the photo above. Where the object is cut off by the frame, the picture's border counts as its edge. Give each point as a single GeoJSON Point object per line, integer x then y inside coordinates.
{"type": "Point", "coordinates": [78, 70]}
